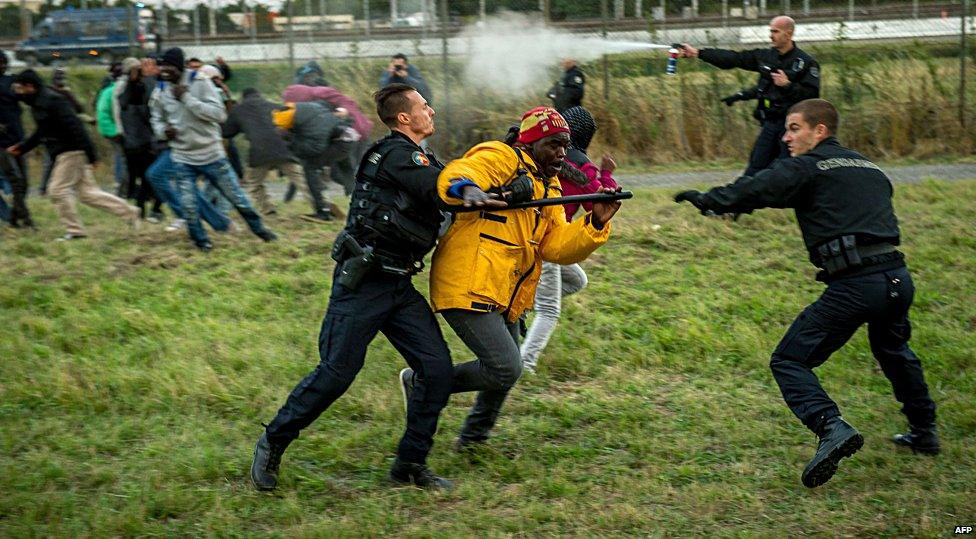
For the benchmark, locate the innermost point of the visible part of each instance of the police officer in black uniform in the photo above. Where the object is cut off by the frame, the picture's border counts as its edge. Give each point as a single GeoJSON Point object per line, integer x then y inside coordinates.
{"type": "Point", "coordinates": [568, 90]}
{"type": "Point", "coordinates": [787, 75]}
{"type": "Point", "coordinates": [843, 206]}
{"type": "Point", "coordinates": [393, 222]}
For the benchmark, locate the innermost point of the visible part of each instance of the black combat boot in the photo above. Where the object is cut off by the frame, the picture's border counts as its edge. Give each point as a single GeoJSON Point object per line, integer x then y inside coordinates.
{"type": "Point", "coordinates": [838, 440]}
{"type": "Point", "coordinates": [923, 440]}
{"type": "Point", "coordinates": [406, 473]}
{"type": "Point", "coordinates": [264, 467]}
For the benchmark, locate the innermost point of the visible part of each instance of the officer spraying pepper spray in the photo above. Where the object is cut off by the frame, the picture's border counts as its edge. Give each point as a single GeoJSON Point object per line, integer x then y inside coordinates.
{"type": "Point", "coordinates": [787, 75]}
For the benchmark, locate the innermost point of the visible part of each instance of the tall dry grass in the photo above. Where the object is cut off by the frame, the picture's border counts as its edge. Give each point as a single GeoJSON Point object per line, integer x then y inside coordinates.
{"type": "Point", "coordinates": [894, 104]}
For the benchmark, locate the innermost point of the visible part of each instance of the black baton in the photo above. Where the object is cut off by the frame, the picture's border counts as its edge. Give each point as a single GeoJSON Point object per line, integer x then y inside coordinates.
{"type": "Point", "coordinates": [555, 201]}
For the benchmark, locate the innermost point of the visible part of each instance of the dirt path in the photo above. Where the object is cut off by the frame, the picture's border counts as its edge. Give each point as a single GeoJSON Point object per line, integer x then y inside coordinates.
{"type": "Point", "coordinates": [901, 174]}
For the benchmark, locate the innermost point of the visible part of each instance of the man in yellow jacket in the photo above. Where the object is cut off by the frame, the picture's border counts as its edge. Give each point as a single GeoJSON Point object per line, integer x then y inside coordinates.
{"type": "Point", "coordinates": [486, 267]}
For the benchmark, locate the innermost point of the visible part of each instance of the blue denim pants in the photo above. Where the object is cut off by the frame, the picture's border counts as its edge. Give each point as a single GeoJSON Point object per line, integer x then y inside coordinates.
{"type": "Point", "coordinates": [219, 174]}
{"type": "Point", "coordinates": [161, 175]}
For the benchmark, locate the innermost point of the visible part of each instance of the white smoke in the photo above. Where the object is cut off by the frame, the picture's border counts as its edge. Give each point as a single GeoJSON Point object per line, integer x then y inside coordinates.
{"type": "Point", "coordinates": [514, 52]}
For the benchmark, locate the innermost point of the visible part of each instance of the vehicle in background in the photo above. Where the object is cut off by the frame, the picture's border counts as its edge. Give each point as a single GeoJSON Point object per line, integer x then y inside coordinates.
{"type": "Point", "coordinates": [103, 34]}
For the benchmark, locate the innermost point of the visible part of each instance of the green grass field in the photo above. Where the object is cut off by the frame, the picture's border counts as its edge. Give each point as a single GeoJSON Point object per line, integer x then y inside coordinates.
{"type": "Point", "coordinates": [137, 372]}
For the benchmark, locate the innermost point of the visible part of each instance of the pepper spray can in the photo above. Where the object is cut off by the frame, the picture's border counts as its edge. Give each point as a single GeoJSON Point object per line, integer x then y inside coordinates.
{"type": "Point", "coordinates": [672, 61]}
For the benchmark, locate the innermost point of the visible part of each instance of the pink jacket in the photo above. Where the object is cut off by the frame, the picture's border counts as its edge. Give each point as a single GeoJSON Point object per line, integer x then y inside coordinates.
{"type": "Point", "coordinates": [299, 93]}
{"type": "Point", "coordinates": [598, 178]}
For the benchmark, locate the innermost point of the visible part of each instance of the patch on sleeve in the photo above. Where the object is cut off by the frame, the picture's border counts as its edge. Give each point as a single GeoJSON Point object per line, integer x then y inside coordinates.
{"type": "Point", "coordinates": [578, 79]}
{"type": "Point", "coordinates": [420, 158]}
{"type": "Point", "coordinates": [815, 72]}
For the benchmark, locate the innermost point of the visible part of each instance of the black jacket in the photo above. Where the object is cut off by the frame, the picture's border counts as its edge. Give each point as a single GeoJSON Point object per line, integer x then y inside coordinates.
{"type": "Point", "coordinates": [396, 183]}
{"type": "Point", "coordinates": [568, 91]}
{"type": "Point", "coordinates": [773, 101]}
{"type": "Point", "coordinates": [134, 106]}
{"type": "Point", "coordinates": [252, 116]}
{"type": "Point", "coordinates": [58, 126]}
{"type": "Point", "coordinates": [835, 191]}
{"type": "Point", "coordinates": [11, 130]}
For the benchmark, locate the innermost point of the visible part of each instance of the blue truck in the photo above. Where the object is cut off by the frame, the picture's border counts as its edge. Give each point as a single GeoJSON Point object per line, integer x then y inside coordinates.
{"type": "Point", "coordinates": [103, 34]}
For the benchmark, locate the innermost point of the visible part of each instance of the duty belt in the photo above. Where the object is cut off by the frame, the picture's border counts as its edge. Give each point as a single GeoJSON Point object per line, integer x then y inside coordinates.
{"type": "Point", "coordinates": [875, 250]}
{"type": "Point", "coordinates": [843, 254]}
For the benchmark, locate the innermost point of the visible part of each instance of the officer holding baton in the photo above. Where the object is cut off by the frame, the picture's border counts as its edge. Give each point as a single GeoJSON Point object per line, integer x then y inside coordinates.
{"type": "Point", "coordinates": [393, 222]}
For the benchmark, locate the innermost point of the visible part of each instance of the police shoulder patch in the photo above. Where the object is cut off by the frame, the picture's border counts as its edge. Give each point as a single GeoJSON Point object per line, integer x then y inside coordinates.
{"type": "Point", "coordinates": [420, 158]}
{"type": "Point", "coordinates": [578, 79]}
{"type": "Point", "coordinates": [815, 72]}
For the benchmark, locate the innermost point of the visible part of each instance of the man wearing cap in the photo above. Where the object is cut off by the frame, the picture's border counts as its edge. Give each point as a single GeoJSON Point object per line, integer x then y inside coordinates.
{"type": "Point", "coordinates": [486, 267]}
{"type": "Point", "coordinates": [187, 111]}
{"type": "Point", "coordinates": [69, 146]}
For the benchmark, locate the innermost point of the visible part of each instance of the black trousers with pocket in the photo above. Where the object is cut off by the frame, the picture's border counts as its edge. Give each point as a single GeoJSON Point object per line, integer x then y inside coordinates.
{"type": "Point", "coordinates": [880, 300]}
{"type": "Point", "coordinates": [382, 303]}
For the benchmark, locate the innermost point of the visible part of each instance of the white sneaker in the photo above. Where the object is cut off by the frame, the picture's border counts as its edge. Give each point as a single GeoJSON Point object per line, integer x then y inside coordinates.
{"type": "Point", "coordinates": [176, 225]}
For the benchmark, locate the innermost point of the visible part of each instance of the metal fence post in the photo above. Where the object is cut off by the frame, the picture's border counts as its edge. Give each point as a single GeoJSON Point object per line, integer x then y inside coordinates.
{"type": "Point", "coordinates": [366, 16]}
{"type": "Point", "coordinates": [24, 20]}
{"type": "Point", "coordinates": [290, 33]}
{"type": "Point", "coordinates": [196, 25]}
{"type": "Point", "coordinates": [604, 14]}
{"type": "Point", "coordinates": [446, 67]}
{"type": "Point", "coordinates": [132, 16]}
{"type": "Point", "coordinates": [962, 63]}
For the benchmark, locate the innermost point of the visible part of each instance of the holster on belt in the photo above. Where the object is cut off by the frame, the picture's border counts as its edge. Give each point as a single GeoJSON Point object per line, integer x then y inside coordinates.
{"type": "Point", "coordinates": [355, 261]}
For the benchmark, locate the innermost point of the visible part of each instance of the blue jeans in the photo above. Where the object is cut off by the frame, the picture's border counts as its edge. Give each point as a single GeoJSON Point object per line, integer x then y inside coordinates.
{"type": "Point", "coordinates": [222, 176]}
{"type": "Point", "coordinates": [4, 210]}
{"type": "Point", "coordinates": [493, 372]}
{"type": "Point", "coordinates": [160, 175]}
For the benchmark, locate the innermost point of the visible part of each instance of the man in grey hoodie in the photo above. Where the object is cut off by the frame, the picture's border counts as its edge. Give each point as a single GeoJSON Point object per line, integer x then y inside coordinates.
{"type": "Point", "coordinates": [187, 111]}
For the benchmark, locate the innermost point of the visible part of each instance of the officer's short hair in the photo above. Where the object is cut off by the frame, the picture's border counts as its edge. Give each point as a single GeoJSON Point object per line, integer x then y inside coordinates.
{"type": "Point", "coordinates": [392, 100]}
{"type": "Point", "coordinates": [401, 56]}
{"type": "Point", "coordinates": [817, 111]}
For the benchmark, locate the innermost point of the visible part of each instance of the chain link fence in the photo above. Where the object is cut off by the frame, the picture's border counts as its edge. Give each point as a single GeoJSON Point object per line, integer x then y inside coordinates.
{"type": "Point", "coordinates": [902, 72]}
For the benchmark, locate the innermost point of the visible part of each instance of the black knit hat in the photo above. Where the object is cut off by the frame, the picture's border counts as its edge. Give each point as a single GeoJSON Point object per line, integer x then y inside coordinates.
{"type": "Point", "coordinates": [29, 76]}
{"type": "Point", "coordinates": [173, 57]}
{"type": "Point", "coordinates": [581, 126]}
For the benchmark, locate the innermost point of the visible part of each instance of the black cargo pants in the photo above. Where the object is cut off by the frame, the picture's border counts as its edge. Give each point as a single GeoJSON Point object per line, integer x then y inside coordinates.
{"type": "Point", "coordinates": [768, 148]}
{"type": "Point", "coordinates": [382, 303]}
{"type": "Point", "coordinates": [880, 300]}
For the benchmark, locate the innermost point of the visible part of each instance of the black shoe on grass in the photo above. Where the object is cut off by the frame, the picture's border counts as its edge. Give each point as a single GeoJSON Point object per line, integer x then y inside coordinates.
{"type": "Point", "coordinates": [838, 440]}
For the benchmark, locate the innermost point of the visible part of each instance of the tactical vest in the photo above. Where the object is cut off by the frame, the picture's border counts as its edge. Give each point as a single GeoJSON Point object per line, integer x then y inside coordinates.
{"type": "Point", "coordinates": [388, 218]}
